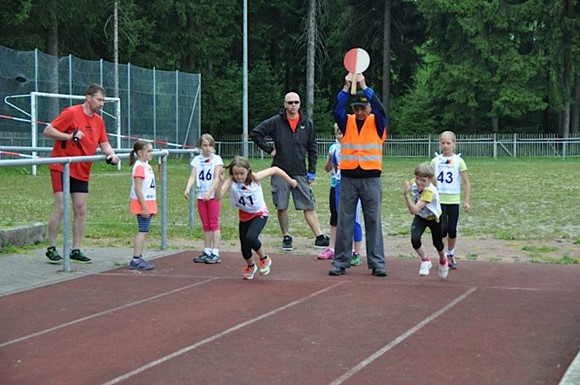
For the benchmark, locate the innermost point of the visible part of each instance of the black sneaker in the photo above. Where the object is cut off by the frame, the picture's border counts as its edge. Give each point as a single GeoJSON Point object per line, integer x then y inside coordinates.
{"type": "Point", "coordinates": [77, 256]}
{"type": "Point", "coordinates": [379, 272]}
{"type": "Point", "coordinates": [213, 259]}
{"type": "Point", "coordinates": [201, 258]}
{"type": "Point", "coordinates": [53, 256]}
{"type": "Point", "coordinates": [287, 243]}
{"type": "Point", "coordinates": [337, 270]}
{"type": "Point", "coordinates": [322, 241]}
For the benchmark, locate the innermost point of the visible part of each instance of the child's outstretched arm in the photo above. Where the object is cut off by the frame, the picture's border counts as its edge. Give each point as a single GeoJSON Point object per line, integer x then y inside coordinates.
{"type": "Point", "coordinates": [222, 187]}
{"type": "Point", "coordinates": [275, 171]}
{"type": "Point", "coordinates": [414, 208]}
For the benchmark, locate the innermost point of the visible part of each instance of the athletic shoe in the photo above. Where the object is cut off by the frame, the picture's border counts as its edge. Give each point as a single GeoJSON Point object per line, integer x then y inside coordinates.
{"type": "Point", "coordinates": [379, 272]}
{"type": "Point", "coordinates": [201, 258]}
{"type": "Point", "coordinates": [265, 265]}
{"type": "Point", "coordinates": [451, 262]}
{"type": "Point", "coordinates": [140, 264]}
{"type": "Point", "coordinates": [425, 267]}
{"type": "Point", "coordinates": [337, 270]}
{"type": "Point", "coordinates": [443, 269]}
{"type": "Point", "coordinates": [213, 259]}
{"type": "Point", "coordinates": [287, 243]}
{"type": "Point", "coordinates": [77, 256]}
{"type": "Point", "coordinates": [326, 254]}
{"type": "Point", "coordinates": [355, 259]}
{"type": "Point", "coordinates": [321, 241]}
{"type": "Point", "coordinates": [53, 255]}
{"type": "Point", "coordinates": [249, 271]}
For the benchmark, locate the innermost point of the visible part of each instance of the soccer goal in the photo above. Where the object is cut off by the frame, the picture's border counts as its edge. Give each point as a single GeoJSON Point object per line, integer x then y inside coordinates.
{"type": "Point", "coordinates": [41, 114]}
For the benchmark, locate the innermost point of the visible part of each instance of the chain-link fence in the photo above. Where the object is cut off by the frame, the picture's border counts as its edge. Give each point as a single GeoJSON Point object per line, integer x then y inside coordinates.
{"type": "Point", "coordinates": [163, 106]}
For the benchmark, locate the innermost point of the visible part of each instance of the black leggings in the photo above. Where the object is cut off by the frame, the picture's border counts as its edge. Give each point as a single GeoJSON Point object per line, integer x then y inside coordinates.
{"type": "Point", "coordinates": [449, 220]}
{"type": "Point", "coordinates": [418, 228]}
{"type": "Point", "coordinates": [249, 235]}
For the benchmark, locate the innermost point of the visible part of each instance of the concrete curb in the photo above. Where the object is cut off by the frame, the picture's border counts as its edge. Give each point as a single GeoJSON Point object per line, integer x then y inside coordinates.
{"type": "Point", "coordinates": [23, 235]}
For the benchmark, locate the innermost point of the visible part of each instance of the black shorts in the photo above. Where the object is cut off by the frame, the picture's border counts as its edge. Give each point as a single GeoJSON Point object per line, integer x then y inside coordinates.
{"type": "Point", "coordinates": [76, 185]}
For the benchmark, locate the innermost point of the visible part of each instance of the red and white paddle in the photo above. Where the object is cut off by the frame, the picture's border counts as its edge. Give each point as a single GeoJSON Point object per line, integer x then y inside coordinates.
{"type": "Point", "coordinates": [356, 61]}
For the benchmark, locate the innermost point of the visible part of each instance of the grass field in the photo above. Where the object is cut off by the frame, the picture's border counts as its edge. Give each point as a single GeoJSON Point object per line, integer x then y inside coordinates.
{"type": "Point", "coordinates": [512, 199]}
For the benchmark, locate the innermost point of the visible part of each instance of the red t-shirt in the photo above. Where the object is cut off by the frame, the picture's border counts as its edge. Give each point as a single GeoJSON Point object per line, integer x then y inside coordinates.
{"type": "Point", "coordinates": [293, 122]}
{"type": "Point", "coordinates": [94, 129]}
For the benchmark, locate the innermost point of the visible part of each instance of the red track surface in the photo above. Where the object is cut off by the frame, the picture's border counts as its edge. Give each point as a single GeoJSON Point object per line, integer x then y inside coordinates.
{"type": "Point", "coordinates": [186, 323]}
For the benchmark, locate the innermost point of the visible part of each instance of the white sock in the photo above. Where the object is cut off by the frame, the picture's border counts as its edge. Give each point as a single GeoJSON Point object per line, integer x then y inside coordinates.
{"type": "Point", "coordinates": [207, 251]}
{"type": "Point", "coordinates": [215, 252]}
{"type": "Point", "coordinates": [450, 252]}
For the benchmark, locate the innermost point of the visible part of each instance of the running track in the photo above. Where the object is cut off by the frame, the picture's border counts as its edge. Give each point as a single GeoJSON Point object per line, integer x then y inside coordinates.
{"type": "Point", "coordinates": [185, 323]}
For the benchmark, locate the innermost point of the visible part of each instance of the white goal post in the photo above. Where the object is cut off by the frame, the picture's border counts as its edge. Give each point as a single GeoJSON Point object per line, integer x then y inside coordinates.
{"type": "Point", "coordinates": [34, 115]}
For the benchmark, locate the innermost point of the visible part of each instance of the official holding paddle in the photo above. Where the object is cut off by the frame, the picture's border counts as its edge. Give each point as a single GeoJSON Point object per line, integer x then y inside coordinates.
{"type": "Point", "coordinates": [361, 164]}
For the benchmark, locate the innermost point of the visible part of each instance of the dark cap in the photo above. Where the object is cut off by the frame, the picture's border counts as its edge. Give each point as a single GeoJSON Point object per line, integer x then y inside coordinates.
{"type": "Point", "coordinates": [360, 99]}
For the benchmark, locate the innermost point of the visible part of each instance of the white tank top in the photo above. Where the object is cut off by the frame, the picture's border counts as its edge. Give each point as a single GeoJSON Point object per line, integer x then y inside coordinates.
{"type": "Point", "coordinates": [248, 198]}
{"type": "Point", "coordinates": [447, 174]}
{"type": "Point", "coordinates": [204, 168]}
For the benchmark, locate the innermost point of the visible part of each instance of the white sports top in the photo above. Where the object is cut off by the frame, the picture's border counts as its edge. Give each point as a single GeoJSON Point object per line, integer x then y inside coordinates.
{"type": "Point", "coordinates": [448, 173]}
{"type": "Point", "coordinates": [204, 168]}
{"type": "Point", "coordinates": [249, 199]}
{"type": "Point", "coordinates": [432, 209]}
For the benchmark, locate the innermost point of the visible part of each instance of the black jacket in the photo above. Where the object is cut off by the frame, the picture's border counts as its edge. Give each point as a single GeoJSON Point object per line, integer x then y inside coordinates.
{"type": "Point", "coordinates": [291, 147]}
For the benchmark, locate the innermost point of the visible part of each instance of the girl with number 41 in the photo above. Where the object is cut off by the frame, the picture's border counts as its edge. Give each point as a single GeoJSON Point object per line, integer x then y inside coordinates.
{"type": "Point", "coordinates": [248, 197]}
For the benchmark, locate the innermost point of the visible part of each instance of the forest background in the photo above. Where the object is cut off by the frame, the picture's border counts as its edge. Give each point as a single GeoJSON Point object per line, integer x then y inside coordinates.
{"type": "Point", "coordinates": [472, 66]}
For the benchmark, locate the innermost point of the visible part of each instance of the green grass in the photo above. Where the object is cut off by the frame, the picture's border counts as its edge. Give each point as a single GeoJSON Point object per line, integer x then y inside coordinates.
{"type": "Point", "coordinates": [512, 199]}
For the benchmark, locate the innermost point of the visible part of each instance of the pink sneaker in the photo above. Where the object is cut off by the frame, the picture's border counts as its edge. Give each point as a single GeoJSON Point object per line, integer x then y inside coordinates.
{"type": "Point", "coordinates": [326, 254]}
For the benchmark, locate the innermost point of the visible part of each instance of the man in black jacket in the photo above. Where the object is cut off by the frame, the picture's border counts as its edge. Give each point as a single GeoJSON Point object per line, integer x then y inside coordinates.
{"type": "Point", "coordinates": [294, 138]}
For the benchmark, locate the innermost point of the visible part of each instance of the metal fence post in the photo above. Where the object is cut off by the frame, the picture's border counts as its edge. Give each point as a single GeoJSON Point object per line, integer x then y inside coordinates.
{"type": "Point", "coordinates": [66, 217]}
{"type": "Point", "coordinates": [164, 201]}
{"type": "Point", "coordinates": [192, 197]}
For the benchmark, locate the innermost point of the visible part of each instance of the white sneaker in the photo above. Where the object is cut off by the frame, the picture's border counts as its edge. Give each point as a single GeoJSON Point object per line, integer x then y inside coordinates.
{"type": "Point", "coordinates": [425, 267]}
{"type": "Point", "coordinates": [443, 269]}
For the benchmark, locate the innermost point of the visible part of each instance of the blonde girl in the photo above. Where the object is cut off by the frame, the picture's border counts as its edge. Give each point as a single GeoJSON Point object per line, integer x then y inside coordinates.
{"type": "Point", "coordinates": [451, 176]}
{"type": "Point", "coordinates": [205, 169]}
{"type": "Point", "coordinates": [143, 199]}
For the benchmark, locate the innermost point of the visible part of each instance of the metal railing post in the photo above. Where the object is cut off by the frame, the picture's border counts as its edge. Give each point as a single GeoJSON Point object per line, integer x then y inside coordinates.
{"type": "Point", "coordinates": [66, 217]}
{"type": "Point", "coordinates": [164, 200]}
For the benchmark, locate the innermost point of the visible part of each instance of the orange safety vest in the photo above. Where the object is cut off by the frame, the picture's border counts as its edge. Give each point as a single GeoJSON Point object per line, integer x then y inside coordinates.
{"type": "Point", "coordinates": [362, 149]}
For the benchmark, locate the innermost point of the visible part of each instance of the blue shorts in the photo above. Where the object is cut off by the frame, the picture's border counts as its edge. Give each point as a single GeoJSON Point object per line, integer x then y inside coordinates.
{"type": "Point", "coordinates": [144, 223]}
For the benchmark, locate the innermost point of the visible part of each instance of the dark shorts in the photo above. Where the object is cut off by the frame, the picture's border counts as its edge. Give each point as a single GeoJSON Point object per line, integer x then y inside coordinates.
{"type": "Point", "coordinates": [143, 223]}
{"type": "Point", "coordinates": [76, 185]}
{"type": "Point", "coordinates": [302, 194]}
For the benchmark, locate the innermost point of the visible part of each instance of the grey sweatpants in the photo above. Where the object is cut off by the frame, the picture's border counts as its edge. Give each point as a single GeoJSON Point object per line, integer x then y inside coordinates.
{"type": "Point", "coordinates": [370, 192]}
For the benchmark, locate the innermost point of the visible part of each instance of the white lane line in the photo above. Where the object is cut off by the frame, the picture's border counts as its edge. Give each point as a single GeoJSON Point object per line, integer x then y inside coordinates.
{"type": "Point", "coordinates": [78, 320]}
{"type": "Point", "coordinates": [400, 338]}
{"type": "Point", "coordinates": [218, 335]}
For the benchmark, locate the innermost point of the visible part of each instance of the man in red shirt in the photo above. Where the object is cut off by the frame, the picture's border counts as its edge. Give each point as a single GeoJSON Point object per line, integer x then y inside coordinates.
{"type": "Point", "coordinates": [77, 131]}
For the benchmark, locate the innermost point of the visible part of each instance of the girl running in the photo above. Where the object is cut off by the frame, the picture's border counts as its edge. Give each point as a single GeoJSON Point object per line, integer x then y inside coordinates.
{"type": "Point", "coordinates": [247, 195]}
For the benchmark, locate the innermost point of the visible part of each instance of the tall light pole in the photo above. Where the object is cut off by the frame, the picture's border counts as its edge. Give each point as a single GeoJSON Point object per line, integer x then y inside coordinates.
{"type": "Point", "coordinates": [245, 82]}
